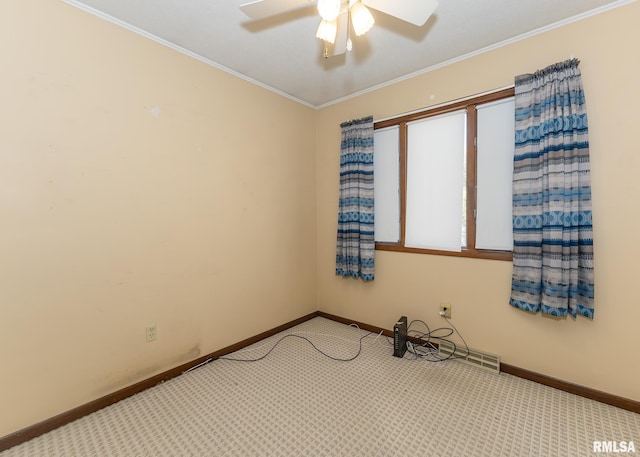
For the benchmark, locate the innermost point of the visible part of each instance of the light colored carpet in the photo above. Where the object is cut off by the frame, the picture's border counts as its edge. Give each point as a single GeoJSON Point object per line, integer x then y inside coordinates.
{"type": "Point", "coordinates": [297, 402]}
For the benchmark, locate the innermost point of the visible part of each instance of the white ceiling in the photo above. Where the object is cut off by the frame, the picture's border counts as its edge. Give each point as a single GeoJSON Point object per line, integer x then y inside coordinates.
{"type": "Point", "coordinates": [282, 53]}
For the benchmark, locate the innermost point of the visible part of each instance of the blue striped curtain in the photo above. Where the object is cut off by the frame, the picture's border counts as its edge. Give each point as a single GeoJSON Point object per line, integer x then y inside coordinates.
{"type": "Point", "coordinates": [355, 244]}
{"type": "Point", "coordinates": [552, 232]}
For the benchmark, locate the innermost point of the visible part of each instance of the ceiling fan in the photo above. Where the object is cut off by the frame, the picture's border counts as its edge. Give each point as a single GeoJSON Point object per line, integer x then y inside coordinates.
{"type": "Point", "coordinates": [335, 15]}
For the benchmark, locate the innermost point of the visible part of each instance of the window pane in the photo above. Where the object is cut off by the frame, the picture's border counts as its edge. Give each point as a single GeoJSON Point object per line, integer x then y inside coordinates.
{"type": "Point", "coordinates": [386, 172]}
{"type": "Point", "coordinates": [436, 148]}
{"type": "Point", "coordinates": [495, 169]}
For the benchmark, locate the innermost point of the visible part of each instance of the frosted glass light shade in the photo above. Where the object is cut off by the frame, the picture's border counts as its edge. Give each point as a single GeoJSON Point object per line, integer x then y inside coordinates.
{"type": "Point", "coordinates": [361, 19]}
{"type": "Point", "coordinates": [329, 9]}
{"type": "Point", "coordinates": [327, 31]}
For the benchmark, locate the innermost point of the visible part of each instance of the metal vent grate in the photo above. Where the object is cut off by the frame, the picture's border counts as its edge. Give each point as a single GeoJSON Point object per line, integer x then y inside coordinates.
{"type": "Point", "coordinates": [480, 359]}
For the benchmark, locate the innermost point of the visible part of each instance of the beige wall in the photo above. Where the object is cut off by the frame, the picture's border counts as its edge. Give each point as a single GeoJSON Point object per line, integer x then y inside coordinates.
{"type": "Point", "coordinates": [137, 186]}
{"type": "Point", "coordinates": [602, 354]}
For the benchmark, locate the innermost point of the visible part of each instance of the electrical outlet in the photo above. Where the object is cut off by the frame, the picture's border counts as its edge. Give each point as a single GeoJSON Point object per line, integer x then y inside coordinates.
{"type": "Point", "coordinates": [151, 333]}
{"type": "Point", "coordinates": [445, 310]}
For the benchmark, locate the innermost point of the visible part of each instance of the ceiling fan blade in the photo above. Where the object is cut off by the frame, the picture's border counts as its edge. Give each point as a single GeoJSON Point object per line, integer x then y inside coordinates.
{"type": "Point", "coordinates": [414, 11]}
{"type": "Point", "coordinates": [340, 45]}
{"type": "Point", "coordinates": [264, 8]}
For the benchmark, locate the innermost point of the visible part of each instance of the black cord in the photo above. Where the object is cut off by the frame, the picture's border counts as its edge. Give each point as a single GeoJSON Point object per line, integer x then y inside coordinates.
{"type": "Point", "coordinates": [418, 349]}
{"type": "Point", "coordinates": [460, 335]}
{"type": "Point", "coordinates": [440, 334]}
{"type": "Point", "coordinates": [293, 335]}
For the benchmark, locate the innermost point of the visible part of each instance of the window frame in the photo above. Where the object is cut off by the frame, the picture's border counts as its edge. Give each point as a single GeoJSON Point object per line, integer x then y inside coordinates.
{"type": "Point", "coordinates": [469, 105]}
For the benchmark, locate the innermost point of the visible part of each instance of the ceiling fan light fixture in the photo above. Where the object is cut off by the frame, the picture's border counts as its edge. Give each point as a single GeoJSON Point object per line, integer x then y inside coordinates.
{"type": "Point", "coordinates": [327, 30]}
{"type": "Point", "coordinates": [329, 9]}
{"type": "Point", "coordinates": [361, 19]}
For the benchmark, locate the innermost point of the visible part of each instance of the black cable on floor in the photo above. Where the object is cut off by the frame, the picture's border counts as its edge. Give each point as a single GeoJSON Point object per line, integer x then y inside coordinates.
{"type": "Point", "coordinates": [293, 335]}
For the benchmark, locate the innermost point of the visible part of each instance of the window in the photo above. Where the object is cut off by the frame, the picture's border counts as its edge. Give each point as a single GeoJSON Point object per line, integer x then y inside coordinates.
{"type": "Point", "coordinates": [443, 179]}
